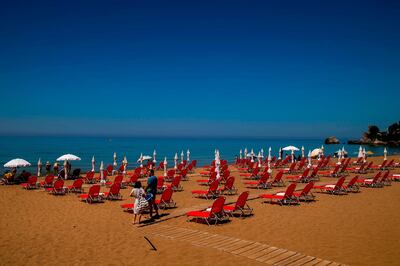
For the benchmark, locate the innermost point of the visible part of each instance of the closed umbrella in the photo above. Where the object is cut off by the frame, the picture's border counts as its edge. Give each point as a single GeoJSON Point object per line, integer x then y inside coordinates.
{"type": "Point", "coordinates": [154, 156]}
{"type": "Point", "coordinates": [182, 157]}
{"type": "Point", "coordinates": [269, 157]}
{"type": "Point", "coordinates": [125, 163]}
{"type": "Point", "coordinates": [17, 163]}
{"type": "Point", "coordinates": [385, 154]}
{"type": "Point", "coordinates": [309, 159]}
{"type": "Point", "coordinates": [93, 163]}
{"type": "Point", "coordinates": [262, 153]}
{"type": "Point", "coordinates": [188, 156]}
{"type": "Point", "coordinates": [259, 159]}
{"type": "Point", "coordinates": [176, 160]}
{"type": "Point", "coordinates": [240, 154]}
{"type": "Point", "coordinates": [165, 166]}
{"type": "Point", "coordinates": [217, 164]}
{"type": "Point", "coordinates": [115, 159]}
{"type": "Point", "coordinates": [280, 154]}
{"type": "Point", "coordinates": [364, 155]}
{"type": "Point", "coordinates": [302, 151]}
{"type": "Point", "coordinates": [245, 152]}
{"type": "Point", "coordinates": [39, 168]}
{"type": "Point", "coordinates": [339, 156]}
{"type": "Point", "coordinates": [360, 152]}
{"type": "Point", "coordinates": [323, 150]}
{"type": "Point", "coordinates": [102, 180]}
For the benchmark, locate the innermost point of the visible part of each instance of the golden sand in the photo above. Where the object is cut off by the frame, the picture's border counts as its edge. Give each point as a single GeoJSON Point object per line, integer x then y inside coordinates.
{"type": "Point", "coordinates": [355, 229]}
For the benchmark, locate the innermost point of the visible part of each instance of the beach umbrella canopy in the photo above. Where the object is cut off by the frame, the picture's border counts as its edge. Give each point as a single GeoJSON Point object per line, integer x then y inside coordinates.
{"type": "Point", "coordinates": [290, 148]}
{"type": "Point", "coordinates": [17, 163]}
{"type": "Point", "coordinates": [68, 157]}
{"type": "Point", "coordinates": [316, 152]}
{"type": "Point", "coordinates": [144, 157]}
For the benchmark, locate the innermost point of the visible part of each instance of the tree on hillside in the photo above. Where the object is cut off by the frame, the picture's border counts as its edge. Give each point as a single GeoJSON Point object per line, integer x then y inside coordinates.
{"type": "Point", "coordinates": [372, 132]}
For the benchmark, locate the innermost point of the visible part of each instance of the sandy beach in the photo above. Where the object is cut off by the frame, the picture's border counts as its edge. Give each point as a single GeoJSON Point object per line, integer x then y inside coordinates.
{"type": "Point", "coordinates": [354, 229]}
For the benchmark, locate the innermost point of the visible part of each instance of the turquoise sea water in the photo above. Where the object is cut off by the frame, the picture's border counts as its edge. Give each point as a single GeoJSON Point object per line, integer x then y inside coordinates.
{"type": "Point", "coordinates": [202, 149]}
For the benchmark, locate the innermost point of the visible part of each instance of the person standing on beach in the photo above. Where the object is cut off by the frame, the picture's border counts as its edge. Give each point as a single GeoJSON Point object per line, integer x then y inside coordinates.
{"type": "Point", "coordinates": [55, 168]}
{"type": "Point", "coordinates": [48, 167]}
{"type": "Point", "coordinates": [138, 206]}
{"type": "Point", "coordinates": [152, 189]}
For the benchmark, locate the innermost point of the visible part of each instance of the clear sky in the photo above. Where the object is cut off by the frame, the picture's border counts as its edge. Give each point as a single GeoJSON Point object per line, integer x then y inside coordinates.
{"type": "Point", "coordinates": [199, 68]}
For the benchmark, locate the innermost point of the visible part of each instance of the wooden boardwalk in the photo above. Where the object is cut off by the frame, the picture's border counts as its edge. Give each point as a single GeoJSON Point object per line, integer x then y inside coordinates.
{"type": "Point", "coordinates": [249, 249]}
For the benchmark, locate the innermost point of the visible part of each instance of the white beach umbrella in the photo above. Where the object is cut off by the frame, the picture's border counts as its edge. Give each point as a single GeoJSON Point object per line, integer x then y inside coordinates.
{"type": "Point", "coordinates": [217, 164]}
{"type": "Point", "coordinates": [302, 151]}
{"type": "Point", "coordinates": [315, 152]}
{"type": "Point", "coordinates": [309, 159]}
{"type": "Point", "coordinates": [68, 157]}
{"type": "Point", "coordinates": [292, 155]}
{"type": "Point", "coordinates": [240, 154]}
{"type": "Point", "coordinates": [115, 159]}
{"type": "Point", "coordinates": [360, 152]}
{"type": "Point", "coordinates": [344, 152]}
{"type": "Point", "coordinates": [154, 156]}
{"type": "Point", "coordinates": [385, 154]}
{"type": "Point", "coordinates": [140, 160]}
{"type": "Point", "coordinates": [144, 158]}
{"type": "Point", "coordinates": [165, 166]}
{"type": "Point", "coordinates": [280, 154]}
{"type": "Point", "coordinates": [182, 156]}
{"type": "Point", "coordinates": [262, 153]}
{"type": "Point", "coordinates": [176, 159]}
{"type": "Point", "coordinates": [259, 159]}
{"type": "Point", "coordinates": [290, 148]}
{"type": "Point", "coordinates": [188, 155]}
{"type": "Point", "coordinates": [102, 180]}
{"type": "Point", "coordinates": [245, 152]}
{"type": "Point", "coordinates": [269, 156]}
{"type": "Point", "coordinates": [339, 153]}
{"type": "Point", "coordinates": [93, 163]}
{"type": "Point", "coordinates": [125, 164]}
{"type": "Point", "coordinates": [364, 155]}
{"type": "Point", "coordinates": [17, 163]}
{"type": "Point", "coordinates": [322, 150]}
{"type": "Point", "coordinates": [39, 166]}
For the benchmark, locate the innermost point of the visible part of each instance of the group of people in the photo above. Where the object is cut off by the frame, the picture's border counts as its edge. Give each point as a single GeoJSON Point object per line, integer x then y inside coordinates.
{"type": "Point", "coordinates": [145, 198]}
{"type": "Point", "coordinates": [11, 177]}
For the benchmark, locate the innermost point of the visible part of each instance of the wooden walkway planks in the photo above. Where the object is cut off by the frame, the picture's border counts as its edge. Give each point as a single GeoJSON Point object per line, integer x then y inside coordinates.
{"type": "Point", "coordinates": [245, 248]}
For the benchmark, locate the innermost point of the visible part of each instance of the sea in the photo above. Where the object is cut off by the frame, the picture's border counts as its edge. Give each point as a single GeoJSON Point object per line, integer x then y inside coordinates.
{"type": "Point", "coordinates": [49, 148]}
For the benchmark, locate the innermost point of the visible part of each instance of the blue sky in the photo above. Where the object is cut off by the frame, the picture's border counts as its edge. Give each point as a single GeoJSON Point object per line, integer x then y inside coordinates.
{"type": "Point", "coordinates": [199, 68]}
